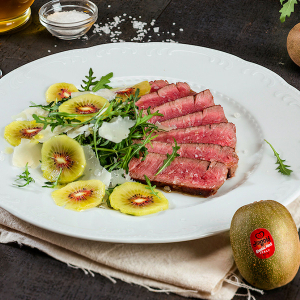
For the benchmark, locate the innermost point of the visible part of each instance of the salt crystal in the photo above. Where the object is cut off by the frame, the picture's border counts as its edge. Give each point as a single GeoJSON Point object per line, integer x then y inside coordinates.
{"type": "Point", "coordinates": [181, 29]}
{"type": "Point", "coordinates": [68, 16]}
{"type": "Point", "coordinates": [156, 29]}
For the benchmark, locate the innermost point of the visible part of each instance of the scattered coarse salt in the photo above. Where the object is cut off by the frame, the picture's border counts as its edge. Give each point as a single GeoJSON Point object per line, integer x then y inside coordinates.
{"type": "Point", "coordinates": [237, 115]}
{"type": "Point", "coordinates": [68, 16]}
{"type": "Point", "coordinates": [144, 31]}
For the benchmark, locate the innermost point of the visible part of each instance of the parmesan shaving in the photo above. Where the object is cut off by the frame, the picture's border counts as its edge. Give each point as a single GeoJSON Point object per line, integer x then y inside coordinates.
{"type": "Point", "coordinates": [118, 177]}
{"type": "Point", "coordinates": [93, 169]}
{"type": "Point", "coordinates": [85, 129]}
{"type": "Point", "coordinates": [45, 134]}
{"type": "Point", "coordinates": [27, 152]}
{"type": "Point", "coordinates": [26, 115]}
{"type": "Point", "coordinates": [117, 129]}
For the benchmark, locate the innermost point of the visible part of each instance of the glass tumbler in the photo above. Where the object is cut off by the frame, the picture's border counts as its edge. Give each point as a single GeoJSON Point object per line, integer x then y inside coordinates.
{"type": "Point", "coordinates": [14, 13]}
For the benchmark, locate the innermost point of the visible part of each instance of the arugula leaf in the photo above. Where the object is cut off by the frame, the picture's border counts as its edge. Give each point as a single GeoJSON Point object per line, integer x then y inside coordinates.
{"type": "Point", "coordinates": [287, 9]}
{"type": "Point", "coordinates": [282, 168]}
{"type": "Point", "coordinates": [169, 158]}
{"type": "Point", "coordinates": [150, 187]}
{"type": "Point", "coordinates": [90, 81]}
{"type": "Point", "coordinates": [102, 83]}
{"type": "Point", "coordinates": [25, 176]}
{"type": "Point", "coordinates": [54, 184]}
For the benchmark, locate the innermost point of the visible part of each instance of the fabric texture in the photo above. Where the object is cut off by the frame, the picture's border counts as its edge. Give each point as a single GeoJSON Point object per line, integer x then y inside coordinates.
{"type": "Point", "coordinates": [198, 268]}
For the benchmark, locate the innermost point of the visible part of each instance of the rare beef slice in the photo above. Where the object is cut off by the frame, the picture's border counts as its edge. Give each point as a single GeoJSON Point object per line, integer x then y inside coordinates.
{"type": "Point", "coordinates": [182, 106]}
{"type": "Point", "coordinates": [211, 115]}
{"type": "Point", "coordinates": [223, 134]}
{"type": "Point", "coordinates": [187, 175]}
{"type": "Point", "coordinates": [163, 95]}
{"type": "Point", "coordinates": [208, 152]}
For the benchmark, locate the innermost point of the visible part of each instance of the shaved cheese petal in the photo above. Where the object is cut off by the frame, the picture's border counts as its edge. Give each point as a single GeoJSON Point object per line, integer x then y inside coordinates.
{"type": "Point", "coordinates": [27, 152]}
{"type": "Point", "coordinates": [93, 169]}
{"type": "Point", "coordinates": [118, 177]}
{"type": "Point", "coordinates": [117, 129]}
{"type": "Point", "coordinates": [80, 130]}
{"type": "Point", "coordinates": [26, 115]}
{"type": "Point", "coordinates": [106, 93]}
{"type": "Point", "coordinates": [46, 134]}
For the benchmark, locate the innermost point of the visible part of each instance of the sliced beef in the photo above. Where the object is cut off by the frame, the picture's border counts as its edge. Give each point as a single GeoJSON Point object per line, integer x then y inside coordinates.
{"type": "Point", "coordinates": [209, 152]}
{"type": "Point", "coordinates": [157, 84]}
{"type": "Point", "coordinates": [187, 175]}
{"type": "Point", "coordinates": [223, 134]}
{"type": "Point", "coordinates": [183, 106]}
{"type": "Point", "coordinates": [211, 115]}
{"type": "Point", "coordinates": [166, 94]}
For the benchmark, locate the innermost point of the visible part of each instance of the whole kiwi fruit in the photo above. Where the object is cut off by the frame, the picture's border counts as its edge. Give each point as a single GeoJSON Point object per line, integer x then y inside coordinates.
{"type": "Point", "coordinates": [293, 44]}
{"type": "Point", "coordinates": [265, 244]}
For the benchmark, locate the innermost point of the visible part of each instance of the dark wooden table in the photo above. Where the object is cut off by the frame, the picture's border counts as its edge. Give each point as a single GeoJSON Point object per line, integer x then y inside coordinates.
{"type": "Point", "coordinates": [249, 29]}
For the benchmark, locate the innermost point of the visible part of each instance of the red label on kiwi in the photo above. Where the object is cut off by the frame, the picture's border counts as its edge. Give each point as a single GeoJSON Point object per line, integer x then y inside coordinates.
{"type": "Point", "coordinates": [262, 243]}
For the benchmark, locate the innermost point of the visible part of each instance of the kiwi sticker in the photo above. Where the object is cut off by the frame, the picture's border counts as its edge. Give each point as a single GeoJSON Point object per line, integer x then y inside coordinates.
{"type": "Point", "coordinates": [262, 243]}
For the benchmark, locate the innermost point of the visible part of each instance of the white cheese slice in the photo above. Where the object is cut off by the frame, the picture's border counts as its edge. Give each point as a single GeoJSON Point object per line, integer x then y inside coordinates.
{"type": "Point", "coordinates": [93, 169]}
{"type": "Point", "coordinates": [26, 115]}
{"type": "Point", "coordinates": [27, 152]}
{"type": "Point", "coordinates": [117, 129]}
{"type": "Point", "coordinates": [46, 134]}
{"type": "Point", "coordinates": [80, 130]}
{"type": "Point", "coordinates": [118, 177]}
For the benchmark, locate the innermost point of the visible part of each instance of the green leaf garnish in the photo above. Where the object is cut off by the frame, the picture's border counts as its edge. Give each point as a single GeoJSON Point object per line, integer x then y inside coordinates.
{"type": "Point", "coordinates": [52, 185]}
{"type": "Point", "coordinates": [170, 158]}
{"type": "Point", "coordinates": [287, 9]}
{"type": "Point", "coordinates": [282, 168]}
{"type": "Point", "coordinates": [103, 82]}
{"type": "Point", "coordinates": [151, 187]}
{"type": "Point", "coordinates": [90, 81]}
{"type": "Point", "coordinates": [25, 177]}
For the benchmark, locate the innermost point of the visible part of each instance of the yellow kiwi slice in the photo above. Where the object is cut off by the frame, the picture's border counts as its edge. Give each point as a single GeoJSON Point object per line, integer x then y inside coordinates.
{"type": "Point", "coordinates": [62, 154]}
{"type": "Point", "coordinates": [144, 88]}
{"type": "Point", "coordinates": [83, 105]}
{"type": "Point", "coordinates": [134, 198]}
{"type": "Point", "coordinates": [80, 195]}
{"type": "Point", "coordinates": [17, 130]}
{"type": "Point", "coordinates": [58, 91]}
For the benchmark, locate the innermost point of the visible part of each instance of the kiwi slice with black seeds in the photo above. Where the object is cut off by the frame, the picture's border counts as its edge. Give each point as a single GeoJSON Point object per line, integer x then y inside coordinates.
{"type": "Point", "coordinates": [134, 198]}
{"type": "Point", "coordinates": [62, 155]}
{"type": "Point", "coordinates": [58, 91]}
{"type": "Point", "coordinates": [80, 195]}
{"type": "Point", "coordinates": [82, 105]}
{"type": "Point", "coordinates": [17, 130]}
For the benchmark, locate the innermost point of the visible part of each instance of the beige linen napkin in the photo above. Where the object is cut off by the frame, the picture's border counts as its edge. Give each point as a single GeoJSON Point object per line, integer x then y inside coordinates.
{"type": "Point", "coordinates": [198, 268]}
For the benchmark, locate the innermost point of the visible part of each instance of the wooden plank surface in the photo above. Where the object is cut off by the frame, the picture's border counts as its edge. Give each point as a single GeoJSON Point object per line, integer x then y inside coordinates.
{"type": "Point", "coordinates": [249, 29]}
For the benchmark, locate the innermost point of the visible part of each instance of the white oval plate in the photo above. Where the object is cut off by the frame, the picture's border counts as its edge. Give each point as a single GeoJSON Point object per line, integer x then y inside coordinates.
{"type": "Point", "coordinates": [259, 102]}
